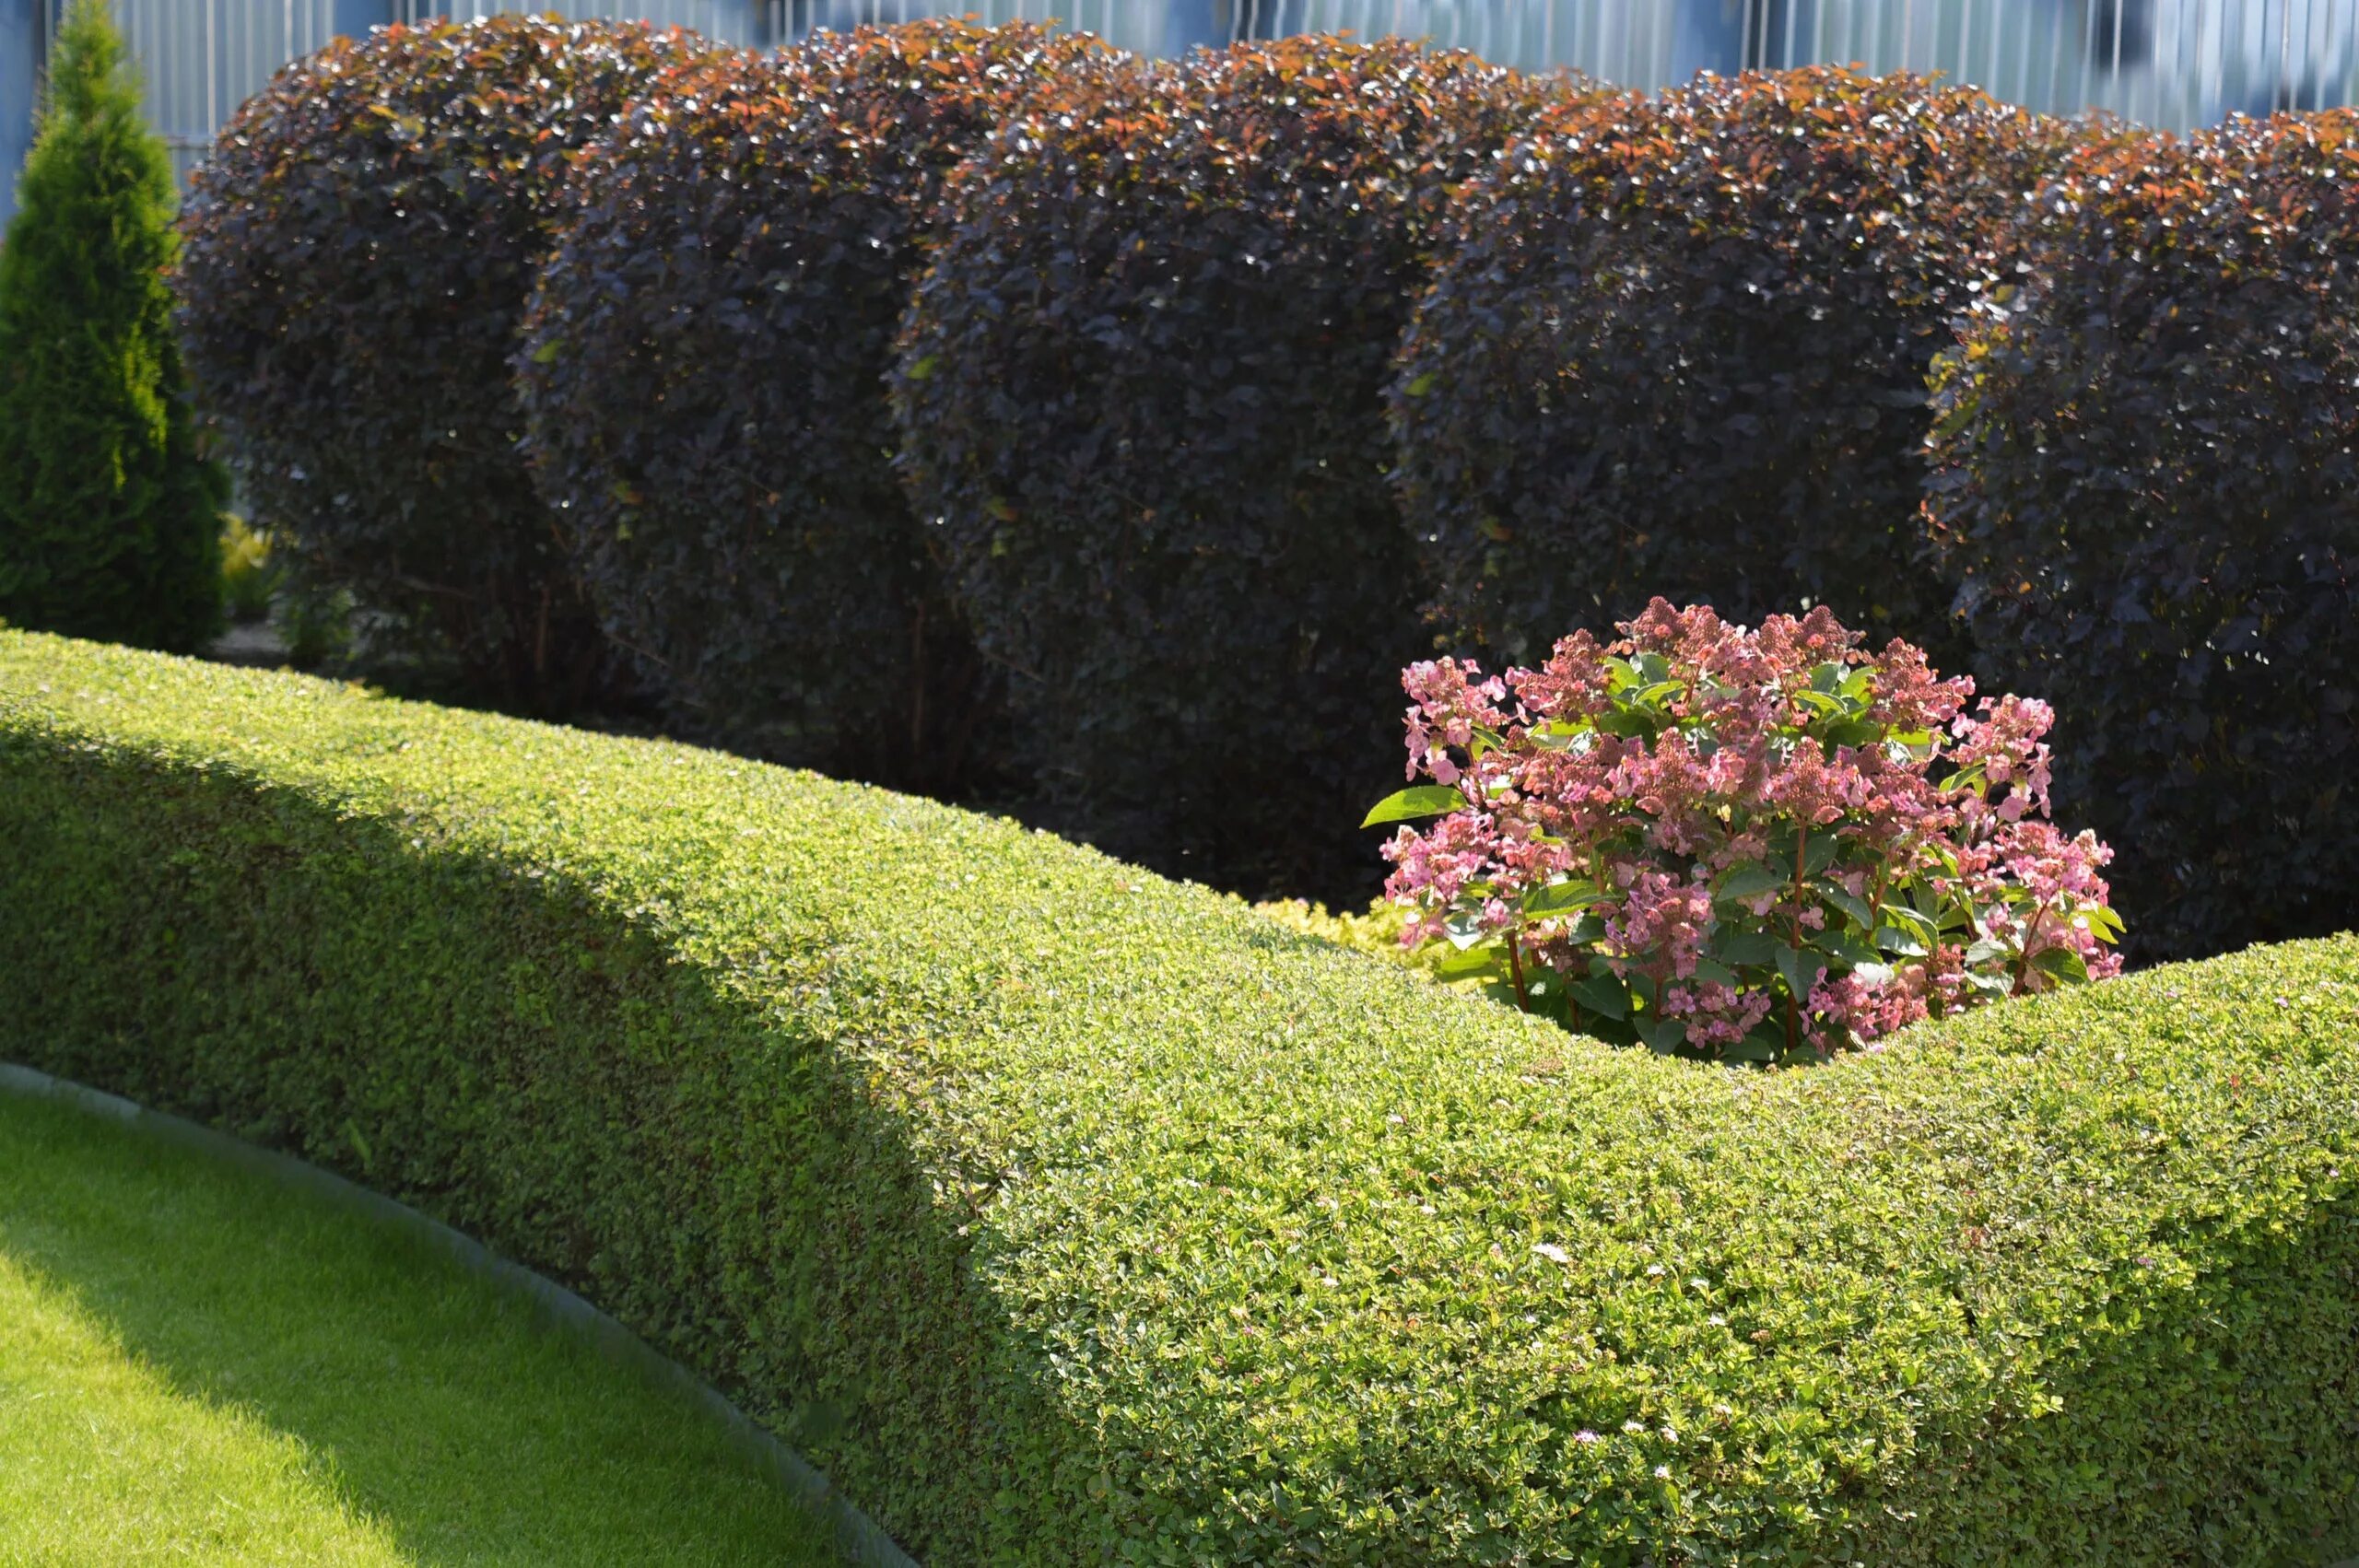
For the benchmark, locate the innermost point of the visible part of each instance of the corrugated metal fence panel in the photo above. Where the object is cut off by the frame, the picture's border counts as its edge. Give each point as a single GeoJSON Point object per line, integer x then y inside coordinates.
{"type": "Point", "coordinates": [729, 21]}
{"type": "Point", "coordinates": [201, 58]}
{"type": "Point", "coordinates": [2170, 62]}
{"type": "Point", "coordinates": [21, 49]}
{"type": "Point", "coordinates": [1141, 26]}
{"type": "Point", "coordinates": [1635, 45]}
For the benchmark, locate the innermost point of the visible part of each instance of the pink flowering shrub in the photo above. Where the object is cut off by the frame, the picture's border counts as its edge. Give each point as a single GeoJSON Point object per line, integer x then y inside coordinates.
{"type": "Point", "coordinates": [1748, 845]}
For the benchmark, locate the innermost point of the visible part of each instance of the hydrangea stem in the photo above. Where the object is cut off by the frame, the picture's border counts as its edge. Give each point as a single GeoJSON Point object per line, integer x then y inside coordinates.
{"type": "Point", "coordinates": [1515, 969]}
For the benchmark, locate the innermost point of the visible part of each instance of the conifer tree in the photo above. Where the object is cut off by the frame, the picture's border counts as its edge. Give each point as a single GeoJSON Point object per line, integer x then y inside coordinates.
{"type": "Point", "coordinates": [110, 517]}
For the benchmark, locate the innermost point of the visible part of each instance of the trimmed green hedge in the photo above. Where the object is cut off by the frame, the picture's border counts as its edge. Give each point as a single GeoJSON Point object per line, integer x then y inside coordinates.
{"type": "Point", "coordinates": [1064, 1214]}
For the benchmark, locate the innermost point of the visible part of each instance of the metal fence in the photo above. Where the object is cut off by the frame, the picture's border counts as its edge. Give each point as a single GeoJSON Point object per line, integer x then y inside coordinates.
{"type": "Point", "coordinates": [2168, 63]}
{"type": "Point", "coordinates": [201, 60]}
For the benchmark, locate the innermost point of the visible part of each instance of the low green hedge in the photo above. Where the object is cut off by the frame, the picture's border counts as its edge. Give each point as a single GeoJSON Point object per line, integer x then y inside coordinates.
{"type": "Point", "coordinates": [1067, 1215]}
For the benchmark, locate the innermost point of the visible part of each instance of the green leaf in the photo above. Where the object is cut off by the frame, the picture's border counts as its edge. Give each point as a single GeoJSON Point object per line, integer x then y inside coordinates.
{"type": "Point", "coordinates": [1663, 1036]}
{"type": "Point", "coordinates": [1820, 852]}
{"type": "Point", "coordinates": [1560, 898]}
{"type": "Point", "coordinates": [2062, 963]}
{"type": "Point", "coordinates": [1418, 800]}
{"type": "Point", "coordinates": [1753, 1047]}
{"type": "Point", "coordinates": [1629, 723]}
{"type": "Point", "coordinates": [1464, 964]}
{"type": "Point", "coordinates": [546, 353]}
{"type": "Point", "coordinates": [1849, 951]}
{"type": "Point", "coordinates": [1827, 678]}
{"type": "Point", "coordinates": [1747, 879]}
{"type": "Point", "coordinates": [1747, 947]}
{"type": "Point", "coordinates": [1421, 385]}
{"type": "Point", "coordinates": [1899, 939]}
{"type": "Point", "coordinates": [1856, 908]}
{"type": "Point", "coordinates": [924, 370]}
{"type": "Point", "coordinates": [1602, 994]}
{"type": "Point", "coordinates": [1582, 932]}
{"type": "Point", "coordinates": [1853, 732]}
{"type": "Point", "coordinates": [1711, 972]}
{"type": "Point", "coordinates": [1799, 966]}
{"type": "Point", "coordinates": [1923, 927]}
{"type": "Point", "coordinates": [1557, 734]}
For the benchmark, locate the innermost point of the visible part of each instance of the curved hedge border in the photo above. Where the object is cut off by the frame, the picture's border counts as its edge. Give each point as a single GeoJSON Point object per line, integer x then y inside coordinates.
{"type": "Point", "coordinates": [1064, 1214]}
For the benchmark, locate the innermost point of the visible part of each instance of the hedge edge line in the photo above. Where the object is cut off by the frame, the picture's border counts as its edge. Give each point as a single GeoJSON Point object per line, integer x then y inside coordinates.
{"type": "Point", "coordinates": [858, 1538]}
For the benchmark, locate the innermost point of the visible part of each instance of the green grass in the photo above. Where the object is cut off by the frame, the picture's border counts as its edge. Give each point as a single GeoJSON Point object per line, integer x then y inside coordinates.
{"type": "Point", "coordinates": [198, 1364]}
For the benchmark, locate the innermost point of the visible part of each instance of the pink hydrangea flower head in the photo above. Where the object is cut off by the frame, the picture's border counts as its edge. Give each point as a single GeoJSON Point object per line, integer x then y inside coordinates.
{"type": "Point", "coordinates": [1763, 842]}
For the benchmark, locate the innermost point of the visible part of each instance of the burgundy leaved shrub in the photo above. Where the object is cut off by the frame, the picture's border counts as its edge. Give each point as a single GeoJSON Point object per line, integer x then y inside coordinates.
{"type": "Point", "coordinates": [2146, 489]}
{"type": "Point", "coordinates": [357, 258]}
{"type": "Point", "coordinates": [702, 377]}
{"type": "Point", "coordinates": [1677, 345]}
{"type": "Point", "coordinates": [1139, 407]}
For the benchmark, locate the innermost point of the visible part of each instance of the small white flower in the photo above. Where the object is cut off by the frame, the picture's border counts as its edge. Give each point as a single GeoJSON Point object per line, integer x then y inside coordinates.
{"type": "Point", "coordinates": [1634, 1427]}
{"type": "Point", "coordinates": [1662, 1472]}
{"type": "Point", "coordinates": [1654, 1270]}
{"type": "Point", "coordinates": [1552, 1252]}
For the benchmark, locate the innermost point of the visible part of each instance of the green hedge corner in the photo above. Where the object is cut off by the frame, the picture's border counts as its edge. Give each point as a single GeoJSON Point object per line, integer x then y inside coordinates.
{"type": "Point", "coordinates": [1064, 1214]}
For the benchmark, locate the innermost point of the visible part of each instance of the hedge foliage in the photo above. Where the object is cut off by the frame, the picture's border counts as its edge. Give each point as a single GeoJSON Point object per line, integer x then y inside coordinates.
{"type": "Point", "coordinates": [358, 252]}
{"type": "Point", "coordinates": [702, 375]}
{"type": "Point", "coordinates": [110, 513]}
{"type": "Point", "coordinates": [2145, 486]}
{"type": "Point", "coordinates": [1138, 406]}
{"type": "Point", "coordinates": [1677, 347]}
{"type": "Point", "coordinates": [1067, 1215]}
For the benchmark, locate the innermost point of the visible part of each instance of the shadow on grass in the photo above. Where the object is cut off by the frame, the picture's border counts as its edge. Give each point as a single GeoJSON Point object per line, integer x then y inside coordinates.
{"type": "Point", "coordinates": [523, 1060]}
{"type": "Point", "coordinates": [446, 1412]}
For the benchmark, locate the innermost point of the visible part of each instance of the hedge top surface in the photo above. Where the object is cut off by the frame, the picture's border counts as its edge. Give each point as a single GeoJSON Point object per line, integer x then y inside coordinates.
{"type": "Point", "coordinates": [1313, 1255]}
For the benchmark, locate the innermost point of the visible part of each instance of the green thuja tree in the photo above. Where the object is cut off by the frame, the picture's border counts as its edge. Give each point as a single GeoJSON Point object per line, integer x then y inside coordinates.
{"type": "Point", "coordinates": [109, 518]}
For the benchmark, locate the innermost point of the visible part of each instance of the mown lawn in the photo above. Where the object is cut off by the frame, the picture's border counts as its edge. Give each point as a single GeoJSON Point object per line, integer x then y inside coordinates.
{"type": "Point", "coordinates": [199, 1366]}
